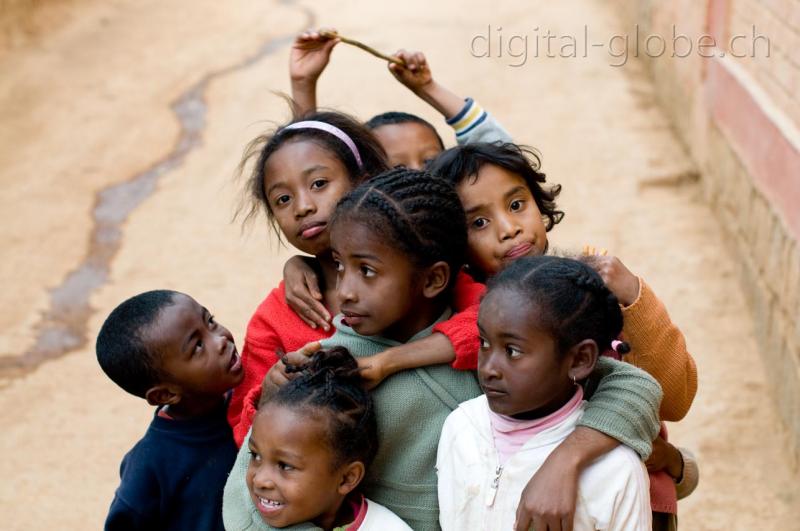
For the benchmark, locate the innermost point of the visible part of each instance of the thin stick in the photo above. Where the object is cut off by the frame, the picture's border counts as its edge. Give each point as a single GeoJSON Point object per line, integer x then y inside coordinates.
{"type": "Point", "coordinates": [368, 49]}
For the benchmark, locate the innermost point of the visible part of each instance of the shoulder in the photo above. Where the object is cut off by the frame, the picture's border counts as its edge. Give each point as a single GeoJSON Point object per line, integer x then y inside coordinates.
{"type": "Point", "coordinates": [471, 417]}
{"type": "Point", "coordinates": [380, 518]}
{"type": "Point", "coordinates": [618, 470]}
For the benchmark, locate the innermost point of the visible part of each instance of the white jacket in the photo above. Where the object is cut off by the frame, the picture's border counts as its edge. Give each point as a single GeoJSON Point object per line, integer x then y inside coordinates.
{"type": "Point", "coordinates": [475, 493]}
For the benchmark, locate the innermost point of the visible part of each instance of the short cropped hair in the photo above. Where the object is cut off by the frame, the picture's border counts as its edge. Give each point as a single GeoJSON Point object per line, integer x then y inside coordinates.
{"type": "Point", "coordinates": [122, 350]}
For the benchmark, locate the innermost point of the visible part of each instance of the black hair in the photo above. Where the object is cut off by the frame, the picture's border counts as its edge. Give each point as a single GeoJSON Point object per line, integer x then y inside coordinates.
{"type": "Point", "coordinates": [397, 118]}
{"type": "Point", "coordinates": [331, 381]}
{"type": "Point", "coordinates": [373, 156]}
{"type": "Point", "coordinates": [122, 351]}
{"type": "Point", "coordinates": [461, 162]}
{"type": "Point", "coordinates": [413, 210]}
{"type": "Point", "coordinates": [573, 301]}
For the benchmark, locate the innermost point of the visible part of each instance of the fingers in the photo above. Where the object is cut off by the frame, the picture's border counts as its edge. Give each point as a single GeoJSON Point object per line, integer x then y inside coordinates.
{"type": "Point", "coordinates": [309, 348]}
{"type": "Point", "coordinates": [523, 521]}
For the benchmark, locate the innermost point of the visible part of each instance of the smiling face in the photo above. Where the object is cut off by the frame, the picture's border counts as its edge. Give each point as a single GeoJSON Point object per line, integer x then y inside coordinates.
{"type": "Point", "coordinates": [380, 291]}
{"type": "Point", "coordinates": [409, 144]}
{"type": "Point", "coordinates": [303, 182]}
{"type": "Point", "coordinates": [196, 354]}
{"type": "Point", "coordinates": [292, 475]}
{"type": "Point", "coordinates": [503, 221]}
{"type": "Point", "coordinates": [519, 368]}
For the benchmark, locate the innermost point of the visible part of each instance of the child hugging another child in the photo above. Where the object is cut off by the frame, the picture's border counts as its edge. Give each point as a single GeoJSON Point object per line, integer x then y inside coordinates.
{"type": "Point", "coordinates": [396, 241]}
{"type": "Point", "coordinates": [310, 446]}
{"type": "Point", "coordinates": [164, 347]}
{"type": "Point", "coordinates": [543, 323]}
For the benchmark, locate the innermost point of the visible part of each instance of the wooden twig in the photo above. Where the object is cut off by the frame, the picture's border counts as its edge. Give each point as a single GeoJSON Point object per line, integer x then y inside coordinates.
{"type": "Point", "coordinates": [368, 49]}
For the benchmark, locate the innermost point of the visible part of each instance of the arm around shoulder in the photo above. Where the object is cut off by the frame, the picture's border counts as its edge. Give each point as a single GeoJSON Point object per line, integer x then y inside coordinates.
{"type": "Point", "coordinates": [658, 347]}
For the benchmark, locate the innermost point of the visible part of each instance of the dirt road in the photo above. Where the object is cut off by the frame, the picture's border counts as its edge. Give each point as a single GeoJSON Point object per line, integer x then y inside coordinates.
{"type": "Point", "coordinates": [88, 102]}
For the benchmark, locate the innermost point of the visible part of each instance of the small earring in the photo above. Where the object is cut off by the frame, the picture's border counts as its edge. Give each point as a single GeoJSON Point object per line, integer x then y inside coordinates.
{"type": "Point", "coordinates": [574, 382]}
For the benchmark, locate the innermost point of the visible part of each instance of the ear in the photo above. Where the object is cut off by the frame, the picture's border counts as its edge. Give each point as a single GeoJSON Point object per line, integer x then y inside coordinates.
{"type": "Point", "coordinates": [584, 357]}
{"type": "Point", "coordinates": [163, 394]}
{"type": "Point", "coordinates": [435, 279]}
{"type": "Point", "coordinates": [352, 474]}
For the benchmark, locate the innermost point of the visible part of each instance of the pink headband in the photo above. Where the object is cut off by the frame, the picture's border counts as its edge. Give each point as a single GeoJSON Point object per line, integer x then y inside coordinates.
{"type": "Point", "coordinates": [335, 131]}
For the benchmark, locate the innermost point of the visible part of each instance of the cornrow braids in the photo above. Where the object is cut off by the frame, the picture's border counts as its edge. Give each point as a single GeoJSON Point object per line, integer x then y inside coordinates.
{"type": "Point", "coordinates": [260, 149]}
{"type": "Point", "coordinates": [419, 213]}
{"type": "Point", "coordinates": [573, 301]}
{"type": "Point", "coordinates": [330, 381]}
{"type": "Point", "coordinates": [463, 162]}
{"type": "Point", "coordinates": [399, 118]}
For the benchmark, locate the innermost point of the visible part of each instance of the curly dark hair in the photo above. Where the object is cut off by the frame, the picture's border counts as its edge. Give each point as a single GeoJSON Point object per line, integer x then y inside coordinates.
{"type": "Point", "coordinates": [373, 156]}
{"type": "Point", "coordinates": [463, 162]}
{"type": "Point", "coordinates": [331, 381]}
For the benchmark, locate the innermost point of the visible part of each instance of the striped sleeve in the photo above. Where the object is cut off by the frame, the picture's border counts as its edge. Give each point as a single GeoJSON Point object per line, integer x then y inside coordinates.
{"type": "Point", "coordinates": [473, 124]}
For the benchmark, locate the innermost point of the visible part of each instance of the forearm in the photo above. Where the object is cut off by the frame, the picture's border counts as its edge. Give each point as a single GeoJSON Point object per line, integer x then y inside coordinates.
{"type": "Point", "coordinates": [304, 95]}
{"type": "Point", "coordinates": [658, 347]}
{"type": "Point", "coordinates": [432, 350]}
{"type": "Point", "coordinates": [582, 447]}
{"type": "Point", "coordinates": [441, 98]}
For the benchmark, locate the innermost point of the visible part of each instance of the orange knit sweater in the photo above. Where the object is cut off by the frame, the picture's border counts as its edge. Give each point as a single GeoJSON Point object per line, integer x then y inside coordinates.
{"type": "Point", "coordinates": [658, 347]}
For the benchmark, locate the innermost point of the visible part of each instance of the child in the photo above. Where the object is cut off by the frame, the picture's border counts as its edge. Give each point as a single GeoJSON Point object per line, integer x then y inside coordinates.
{"type": "Point", "coordinates": [300, 173]}
{"type": "Point", "coordinates": [509, 212]}
{"type": "Point", "coordinates": [543, 323]}
{"type": "Point", "coordinates": [409, 140]}
{"type": "Point", "coordinates": [309, 448]}
{"type": "Point", "coordinates": [164, 347]}
{"type": "Point", "coordinates": [396, 240]}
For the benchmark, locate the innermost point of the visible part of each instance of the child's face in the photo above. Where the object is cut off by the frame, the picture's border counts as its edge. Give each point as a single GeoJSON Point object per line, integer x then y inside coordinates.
{"type": "Point", "coordinates": [291, 476]}
{"type": "Point", "coordinates": [503, 221]}
{"type": "Point", "coordinates": [408, 144]}
{"type": "Point", "coordinates": [378, 287]}
{"type": "Point", "coordinates": [197, 354]}
{"type": "Point", "coordinates": [303, 182]}
{"type": "Point", "coordinates": [519, 368]}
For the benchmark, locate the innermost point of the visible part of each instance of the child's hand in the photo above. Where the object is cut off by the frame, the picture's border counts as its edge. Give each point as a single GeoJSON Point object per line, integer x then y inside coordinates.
{"type": "Point", "coordinates": [372, 370]}
{"type": "Point", "coordinates": [618, 278]}
{"type": "Point", "coordinates": [310, 54]}
{"type": "Point", "coordinates": [665, 457]}
{"type": "Point", "coordinates": [548, 500]}
{"type": "Point", "coordinates": [277, 376]}
{"type": "Point", "coordinates": [302, 293]}
{"type": "Point", "coordinates": [416, 74]}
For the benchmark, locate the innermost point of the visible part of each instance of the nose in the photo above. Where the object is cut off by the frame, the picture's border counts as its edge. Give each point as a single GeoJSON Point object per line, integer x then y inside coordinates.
{"type": "Point", "coordinates": [304, 205]}
{"type": "Point", "coordinates": [262, 479]}
{"type": "Point", "coordinates": [221, 339]}
{"type": "Point", "coordinates": [487, 367]}
{"type": "Point", "coordinates": [345, 288]}
{"type": "Point", "coordinates": [508, 228]}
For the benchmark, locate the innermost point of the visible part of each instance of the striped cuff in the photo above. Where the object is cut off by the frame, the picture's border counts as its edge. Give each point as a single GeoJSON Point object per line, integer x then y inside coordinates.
{"type": "Point", "coordinates": [468, 118]}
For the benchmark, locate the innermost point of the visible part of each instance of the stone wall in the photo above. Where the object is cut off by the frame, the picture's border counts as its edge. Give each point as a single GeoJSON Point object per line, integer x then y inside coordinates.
{"type": "Point", "coordinates": [737, 111]}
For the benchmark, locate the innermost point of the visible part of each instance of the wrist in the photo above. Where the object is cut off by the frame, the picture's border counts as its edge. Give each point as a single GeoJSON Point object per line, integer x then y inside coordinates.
{"type": "Point", "coordinates": [304, 82]}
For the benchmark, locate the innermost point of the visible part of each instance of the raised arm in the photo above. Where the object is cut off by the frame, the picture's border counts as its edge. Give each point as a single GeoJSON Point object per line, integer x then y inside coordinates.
{"type": "Point", "coordinates": [309, 57]}
{"type": "Point", "coordinates": [469, 120]}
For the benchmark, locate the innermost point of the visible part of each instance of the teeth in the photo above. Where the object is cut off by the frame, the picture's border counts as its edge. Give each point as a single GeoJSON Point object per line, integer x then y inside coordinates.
{"type": "Point", "coordinates": [269, 503]}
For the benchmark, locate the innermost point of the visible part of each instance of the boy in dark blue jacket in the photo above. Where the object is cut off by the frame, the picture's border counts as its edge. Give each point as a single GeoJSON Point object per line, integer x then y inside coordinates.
{"type": "Point", "coordinates": [164, 347]}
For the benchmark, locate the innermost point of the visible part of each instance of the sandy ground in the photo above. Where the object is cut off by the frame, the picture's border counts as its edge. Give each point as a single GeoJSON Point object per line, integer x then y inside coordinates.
{"type": "Point", "coordinates": [86, 104]}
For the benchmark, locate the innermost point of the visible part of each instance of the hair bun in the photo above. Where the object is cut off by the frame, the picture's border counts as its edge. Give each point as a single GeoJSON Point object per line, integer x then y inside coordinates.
{"type": "Point", "coordinates": [336, 363]}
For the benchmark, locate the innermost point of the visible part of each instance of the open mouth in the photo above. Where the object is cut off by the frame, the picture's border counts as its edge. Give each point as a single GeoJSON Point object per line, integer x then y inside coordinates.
{"type": "Point", "coordinates": [235, 364]}
{"type": "Point", "coordinates": [311, 230]}
{"type": "Point", "coordinates": [268, 506]}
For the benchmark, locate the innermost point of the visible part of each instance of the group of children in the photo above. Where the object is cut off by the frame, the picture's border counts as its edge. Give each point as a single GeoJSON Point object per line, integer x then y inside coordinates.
{"type": "Point", "coordinates": [425, 365]}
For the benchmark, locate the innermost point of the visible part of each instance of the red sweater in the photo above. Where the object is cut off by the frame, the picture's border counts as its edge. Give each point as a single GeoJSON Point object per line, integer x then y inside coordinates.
{"type": "Point", "coordinates": [274, 327]}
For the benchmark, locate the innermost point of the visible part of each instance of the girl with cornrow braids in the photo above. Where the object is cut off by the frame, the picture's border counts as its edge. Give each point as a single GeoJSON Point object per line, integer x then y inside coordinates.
{"type": "Point", "coordinates": [397, 240]}
{"type": "Point", "coordinates": [543, 323]}
{"type": "Point", "coordinates": [308, 451]}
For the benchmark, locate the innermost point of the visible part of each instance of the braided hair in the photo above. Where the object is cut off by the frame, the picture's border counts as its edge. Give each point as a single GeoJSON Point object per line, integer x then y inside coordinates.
{"type": "Point", "coordinates": [462, 162]}
{"type": "Point", "coordinates": [417, 212]}
{"type": "Point", "coordinates": [331, 381]}
{"type": "Point", "coordinates": [399, 118]}
{"type": "Point", "coordinates": [573, 301]}
{"type": "Point", "coordinates": [261, 148]}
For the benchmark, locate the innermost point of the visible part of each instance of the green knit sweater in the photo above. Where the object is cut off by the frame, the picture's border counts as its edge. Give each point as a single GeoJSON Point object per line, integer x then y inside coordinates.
{"type": "Point", "coordinates": [411, 407]}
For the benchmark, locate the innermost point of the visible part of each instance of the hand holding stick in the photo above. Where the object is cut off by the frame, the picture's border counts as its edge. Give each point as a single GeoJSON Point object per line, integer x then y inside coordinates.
{"type": "Point", "coordinates": [357, 44]}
